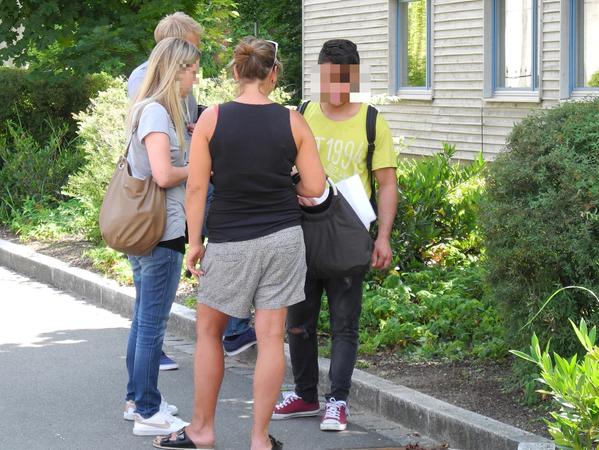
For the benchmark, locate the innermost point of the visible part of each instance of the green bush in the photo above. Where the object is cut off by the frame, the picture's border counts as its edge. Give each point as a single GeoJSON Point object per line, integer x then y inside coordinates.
{"type": "Point", "coordinates": [39, 102]}
{"type": "Point", "coordinates": [434, 312]}
{"type": "Point", "coordinates": [37, 221]}
{"type": "Point", "coordinates": [573, 384]}
{"type": "Point", "coordinates": [31, 171]}
{"type": "Point", "coordinates": [102, 141]}
{"type": "Point", "coordinates": [212, 91]}
{"type": "Point", "coordinates": [438, 208]}
{"type": "Point", "coordinates": [541, 222]}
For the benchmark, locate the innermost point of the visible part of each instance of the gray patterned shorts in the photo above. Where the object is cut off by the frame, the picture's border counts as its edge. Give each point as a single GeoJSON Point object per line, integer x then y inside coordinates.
{"type": "Point", "coordinates": [268, 272]}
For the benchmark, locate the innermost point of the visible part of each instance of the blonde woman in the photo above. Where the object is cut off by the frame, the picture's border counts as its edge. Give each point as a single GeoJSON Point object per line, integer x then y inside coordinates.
{"type": "Point", "coordinates": [255, 255]}
{"type": "Point", "coordinates": [159, 149]}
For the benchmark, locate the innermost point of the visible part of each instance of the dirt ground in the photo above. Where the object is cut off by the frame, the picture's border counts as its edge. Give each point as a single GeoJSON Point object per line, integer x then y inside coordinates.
{"type": "Point", "coordinates": [473, 385]}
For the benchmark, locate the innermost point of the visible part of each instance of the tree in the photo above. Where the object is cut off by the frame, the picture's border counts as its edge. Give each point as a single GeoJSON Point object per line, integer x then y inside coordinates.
{"type": "Point", "coordinates": [91, 36]}
{"type": "Point", "coordinates": [280, 21]}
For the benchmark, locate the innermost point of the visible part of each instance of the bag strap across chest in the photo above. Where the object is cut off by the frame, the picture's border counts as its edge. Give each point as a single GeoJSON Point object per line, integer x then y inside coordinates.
{"type": "Point", "coordinates": [371, 115]}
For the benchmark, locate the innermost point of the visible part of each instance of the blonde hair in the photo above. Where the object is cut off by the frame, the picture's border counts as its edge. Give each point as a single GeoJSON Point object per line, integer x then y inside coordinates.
{"type": "Point", "coordinates": [254, 58]}
{"type": "Point", "coordinates": [168, 60]}
{"type": "Point", "coordinates": [177, 25]}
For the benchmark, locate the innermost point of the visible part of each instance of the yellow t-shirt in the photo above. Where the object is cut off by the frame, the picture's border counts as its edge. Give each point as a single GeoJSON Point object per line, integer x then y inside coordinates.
{"type": "Point", "coordinates": [343, 145]}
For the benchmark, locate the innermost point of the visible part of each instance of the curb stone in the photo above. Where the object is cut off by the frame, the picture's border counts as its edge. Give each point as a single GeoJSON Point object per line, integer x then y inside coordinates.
{"type": "Point", "coordinates": [434, 418]}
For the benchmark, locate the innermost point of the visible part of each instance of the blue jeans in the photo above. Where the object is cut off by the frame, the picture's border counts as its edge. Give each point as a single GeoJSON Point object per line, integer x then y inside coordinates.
{"type": "Point", "coordinates": [156, 277]}
{"type": "Point", "coordinates": [235, 326]}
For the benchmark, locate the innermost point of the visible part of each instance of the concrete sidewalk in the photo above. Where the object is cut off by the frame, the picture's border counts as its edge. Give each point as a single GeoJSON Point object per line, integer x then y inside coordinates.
{"type": "Point", "coordinates": [431, 417]}
{"type": "Point", "coordinates": [62, 381]}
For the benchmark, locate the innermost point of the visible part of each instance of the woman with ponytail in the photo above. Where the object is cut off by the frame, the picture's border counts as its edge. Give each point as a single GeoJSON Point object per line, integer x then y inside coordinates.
{"type": "Point", "coordinates": [255, 255]}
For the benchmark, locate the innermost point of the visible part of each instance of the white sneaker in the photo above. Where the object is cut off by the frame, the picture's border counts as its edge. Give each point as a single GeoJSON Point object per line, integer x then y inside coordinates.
{"type": "Point", "coordinates": [160, 424]}
{"type": "Point", "coordinates": [130, 414]}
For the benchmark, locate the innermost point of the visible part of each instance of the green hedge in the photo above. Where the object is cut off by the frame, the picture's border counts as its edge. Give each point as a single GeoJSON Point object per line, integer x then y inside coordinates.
{"type": "Point", "coordinates": [541, 222]}
{"type": "Point", "coordinates": [33, 99]}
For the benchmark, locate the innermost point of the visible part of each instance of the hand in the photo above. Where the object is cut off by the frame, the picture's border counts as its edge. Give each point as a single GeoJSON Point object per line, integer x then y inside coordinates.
{"type": "Point", "coordinates": [195, 254]}
{"type": "Point", "coordinates": [306, 201]}
{"type": "Point", "coordinates": [191, 127]}
{"type": "Point", "coordinates": [381, 255]}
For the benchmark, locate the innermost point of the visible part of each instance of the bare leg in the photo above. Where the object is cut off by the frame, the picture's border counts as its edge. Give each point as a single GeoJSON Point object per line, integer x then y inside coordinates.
{"type": "Point", "coordinates": [209, 368]}
{"type": "Point", "coordinates": [269, 372]}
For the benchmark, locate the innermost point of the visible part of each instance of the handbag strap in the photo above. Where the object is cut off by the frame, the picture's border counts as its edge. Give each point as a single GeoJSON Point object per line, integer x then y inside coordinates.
{"type": "Point", "coordinates": [133, 131]}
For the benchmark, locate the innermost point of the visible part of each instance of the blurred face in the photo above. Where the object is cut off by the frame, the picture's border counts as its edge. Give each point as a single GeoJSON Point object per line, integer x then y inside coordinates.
{"type": "Point", "coordinates": [188, 77]}
{"type": "Point", "coordinates": [337, 81]}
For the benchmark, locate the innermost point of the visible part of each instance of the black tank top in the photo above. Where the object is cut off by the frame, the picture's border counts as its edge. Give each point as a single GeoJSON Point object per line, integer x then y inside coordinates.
{"type": "Point", "coordinates": [252, 152]}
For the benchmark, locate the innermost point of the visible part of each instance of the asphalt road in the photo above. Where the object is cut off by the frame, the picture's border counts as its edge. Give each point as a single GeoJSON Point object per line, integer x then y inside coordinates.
{"type": "Point", "coordinates": [62, 381]}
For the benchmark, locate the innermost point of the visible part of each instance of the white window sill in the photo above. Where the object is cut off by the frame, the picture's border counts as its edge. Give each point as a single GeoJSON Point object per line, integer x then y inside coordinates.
{"type": "Point", "coordinates": [415, 94]}
{"type": "Point", "coordinates": [514, 97]}
{"type": "Point", "coordinates": [583, 93]}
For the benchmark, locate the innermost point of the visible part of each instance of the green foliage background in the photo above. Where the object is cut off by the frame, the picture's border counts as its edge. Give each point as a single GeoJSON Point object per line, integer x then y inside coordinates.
{"type": "Point", "coordinates": [541, 223]}
{"type": "Point", "coordinates": [115, 36]}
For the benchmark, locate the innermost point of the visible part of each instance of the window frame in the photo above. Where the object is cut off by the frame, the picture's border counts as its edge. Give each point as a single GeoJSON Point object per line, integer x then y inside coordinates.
{"type": "Point", "coordinates": [491, 91]}
{"type": "Point", "coordinates": [400, 90]}
{"type": "Point", "coordinates": [574, 51]}
{"type": "Point", "coordinates": [534, 53]}
{"type": "Point", "coordinates": [568, 70]}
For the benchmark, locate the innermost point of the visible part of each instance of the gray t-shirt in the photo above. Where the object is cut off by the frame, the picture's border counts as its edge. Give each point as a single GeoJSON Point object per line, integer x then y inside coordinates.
{"type": "Point", "coordinates": [134, 83]}
{"type": "Point", "coordinates": [155, 119]}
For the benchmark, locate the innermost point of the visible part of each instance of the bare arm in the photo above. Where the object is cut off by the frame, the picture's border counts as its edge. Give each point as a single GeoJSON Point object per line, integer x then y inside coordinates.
{"type": "Point", "coordinates": [200, 166]}
{"type": "Point", "coordinates": [312, 179]}
{"type": "Point", "coordinates": [387, 208]}
{"type": "Point", "coordinates": [159, 153]}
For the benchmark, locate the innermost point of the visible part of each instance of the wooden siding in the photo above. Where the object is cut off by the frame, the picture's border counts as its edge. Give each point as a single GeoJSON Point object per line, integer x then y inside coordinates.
{"type": "Point", "coordinates": [458, 114]}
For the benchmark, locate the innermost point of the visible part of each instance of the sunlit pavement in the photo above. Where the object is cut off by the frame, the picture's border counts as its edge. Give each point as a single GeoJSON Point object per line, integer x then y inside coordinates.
{"type": "Point", "coordinates": [62, 380]}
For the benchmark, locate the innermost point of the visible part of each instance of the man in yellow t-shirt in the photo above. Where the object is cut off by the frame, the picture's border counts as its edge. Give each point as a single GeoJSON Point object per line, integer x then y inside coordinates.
{"type": "Point", "coordinates": [339, 127]}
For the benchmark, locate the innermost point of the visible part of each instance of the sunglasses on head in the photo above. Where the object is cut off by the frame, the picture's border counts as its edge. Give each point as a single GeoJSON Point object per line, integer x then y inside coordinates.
{"type": "Point", "coordinates": [276, 46]}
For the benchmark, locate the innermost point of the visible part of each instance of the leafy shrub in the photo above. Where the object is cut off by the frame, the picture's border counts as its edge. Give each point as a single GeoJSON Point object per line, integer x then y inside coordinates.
{"type": "Point", "coordinates": [36, 221]}
{"type": "Point", "coordinates": [433, 312]}
{"type": "Point", "coordinates": [211, 91]}
{"type": "Point", "coordinates": [572, 383]}
{"type": "Point", "coordinates": [102, 141]}
{"type": "Point", "coordinates": [111, 263]}
{"type": "Point", "coordinates": [31, 171]}
{"type": "Point", "coordinates": [437, 209]}
{"type": "Point", "coordinates": [41, 102]}
{"type": "Point", "coordinates": [541, 222]}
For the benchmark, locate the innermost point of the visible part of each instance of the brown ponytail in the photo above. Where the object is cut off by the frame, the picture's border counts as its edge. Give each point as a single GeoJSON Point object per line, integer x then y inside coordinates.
{"type": "Point", "coordinates": [254, 59]}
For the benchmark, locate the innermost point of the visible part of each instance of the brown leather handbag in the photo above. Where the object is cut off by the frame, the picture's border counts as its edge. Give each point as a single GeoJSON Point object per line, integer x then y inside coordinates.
{"type": "Point", "coordinates": [133, 212]}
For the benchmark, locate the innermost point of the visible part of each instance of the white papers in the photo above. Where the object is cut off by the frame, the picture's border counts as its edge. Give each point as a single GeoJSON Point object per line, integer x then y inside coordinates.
{"type": "Point", "coordinates": [355, 194]}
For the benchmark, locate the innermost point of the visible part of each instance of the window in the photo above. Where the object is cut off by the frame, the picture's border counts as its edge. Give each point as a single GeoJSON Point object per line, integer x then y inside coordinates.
{"type": "Point", "coordinates": [414, 42]}
{"type": "Point", "coordinates": [515, 45]}
{"type": "Point", "coordinates": [584, 32]}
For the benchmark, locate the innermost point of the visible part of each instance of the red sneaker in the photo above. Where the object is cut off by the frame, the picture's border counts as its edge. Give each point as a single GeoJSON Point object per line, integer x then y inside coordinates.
{"type": "Point", "coordinates": [294, 406]}
{"type": "Point", "coordinates": [335, 416]}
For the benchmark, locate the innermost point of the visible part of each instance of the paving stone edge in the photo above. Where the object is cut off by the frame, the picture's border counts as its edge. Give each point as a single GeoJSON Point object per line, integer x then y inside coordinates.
{"type": "Point", "coordinates": [434, 418]}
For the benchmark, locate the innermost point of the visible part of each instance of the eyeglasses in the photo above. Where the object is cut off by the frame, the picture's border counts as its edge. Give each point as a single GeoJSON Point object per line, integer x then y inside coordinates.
{"type": "Point", "coordinates": [276, 46]}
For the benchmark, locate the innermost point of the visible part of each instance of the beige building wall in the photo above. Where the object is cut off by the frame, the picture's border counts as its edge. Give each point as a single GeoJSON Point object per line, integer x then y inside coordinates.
{"type": "Point", "coordinates": [461, 110]}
